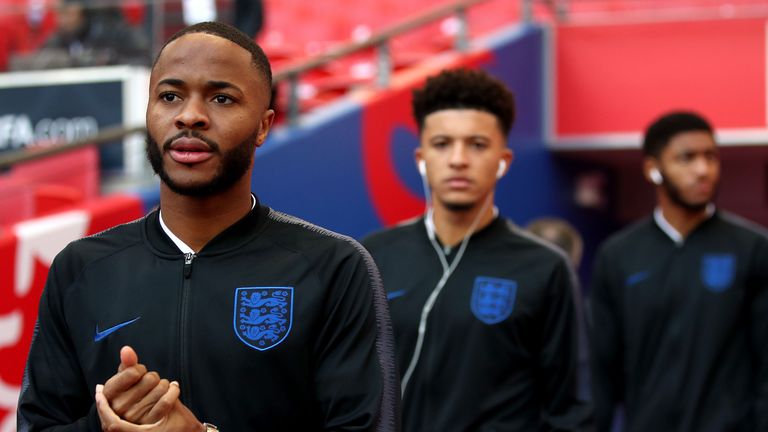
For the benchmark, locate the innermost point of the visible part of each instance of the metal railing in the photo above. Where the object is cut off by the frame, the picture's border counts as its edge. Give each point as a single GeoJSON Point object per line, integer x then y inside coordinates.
{"type": "Point", "coordinates": [107, 136]}
{"type": "Point", "coordinates": [380, 41]}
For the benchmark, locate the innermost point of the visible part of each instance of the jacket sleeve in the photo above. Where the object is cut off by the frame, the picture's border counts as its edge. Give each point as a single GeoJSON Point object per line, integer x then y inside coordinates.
{"type": "Point", "coordinates": [356, 380]}
{"type": "Point", "coordinates": [759, 331]}
{"type": "Point", "coordinates": [607, 376]}
{"type": "Point", "coordinates": [558, 358]}
{"type": "Point", "coordinates": [54, 395]}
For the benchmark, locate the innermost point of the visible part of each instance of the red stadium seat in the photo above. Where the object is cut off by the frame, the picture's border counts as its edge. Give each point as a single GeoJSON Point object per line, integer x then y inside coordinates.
{"type": "Point", "coordinates": [78, 169]}
{"type": "Point", "coordinates": [51, 198]}
{"type": "Point", "coordinates": [17, 200]}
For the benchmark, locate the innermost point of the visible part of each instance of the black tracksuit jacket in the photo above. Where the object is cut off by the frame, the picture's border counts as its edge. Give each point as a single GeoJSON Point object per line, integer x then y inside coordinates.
{"type": "Point", "coordinates": [680, 334]}
{"type": "Point", "coordinates": [500, 351]}
{"type": "Point", "coordinates": [275, 325]}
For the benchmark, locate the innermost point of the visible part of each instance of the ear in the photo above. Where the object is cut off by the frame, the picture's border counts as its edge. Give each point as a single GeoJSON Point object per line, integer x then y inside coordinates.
{"type": "Point", "coordinates": [420, 164]}
{"type": "Point", "coordinates": [651, 170]}
{"type": "Point", "coordinates": [507, 156]}
{"type": "Point", "coordinates": [265, 124]}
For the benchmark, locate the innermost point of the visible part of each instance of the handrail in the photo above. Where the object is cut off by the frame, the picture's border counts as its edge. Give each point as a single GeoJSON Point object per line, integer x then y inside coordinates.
{"type": "Point", "coordinates": [380, 41]}
{"type": "Point", "coordinates": [291, 73]}
{"type": "Point", "coordinates": [375, 40]}
{"type": "Point", "coordinates": [27, 154]}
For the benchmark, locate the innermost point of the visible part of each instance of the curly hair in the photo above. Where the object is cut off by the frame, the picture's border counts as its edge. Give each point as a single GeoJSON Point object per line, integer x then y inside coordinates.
{"type": "Point", "coordinates": [465, 89]}
{"type": "Point", "coordinates": [664, 128]}
{"type": "Point", "coordinates": [231, 34]}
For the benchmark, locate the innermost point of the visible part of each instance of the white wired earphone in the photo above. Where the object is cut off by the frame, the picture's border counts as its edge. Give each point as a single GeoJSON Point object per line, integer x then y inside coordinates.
{"type": "Point", "coordinates": [423, 171]}
{"type": "Point", "coordinates": [656, 176]}
{"type": "Point", "coordinates": [447, 269]}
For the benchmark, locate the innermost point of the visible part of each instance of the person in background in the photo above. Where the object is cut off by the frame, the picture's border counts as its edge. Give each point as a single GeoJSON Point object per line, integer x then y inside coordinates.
{"type": "Point", "coordinates": [197, 11]}
{"type": "Point", "coordinates": [249, 16]}
{"type": "Point", "coordinates": [88, 35]}
{"type": "Point", "coordinates": [680, 300]}
{"type": "Point", "coordinates": [484, 313]}
{"type": "Point", "coordinates": [560, 233]}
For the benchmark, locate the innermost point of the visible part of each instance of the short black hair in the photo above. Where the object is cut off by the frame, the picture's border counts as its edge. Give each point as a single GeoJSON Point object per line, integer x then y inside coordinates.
{"type": "Point", "coordinates": [231, 34]}
{"type": "Point", "coordinates": [465, 89]}
{"type": "Point", "coordinates": [664, 128]}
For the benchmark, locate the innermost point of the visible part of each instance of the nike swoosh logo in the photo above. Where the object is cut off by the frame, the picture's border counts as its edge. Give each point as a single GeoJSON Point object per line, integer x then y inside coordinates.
{"type": "Point", "coordinates": [636, 278]}
{"type": "Point", "coordinates": [102, 334]}
{"type": "Point", "coordinates": [396, 294]}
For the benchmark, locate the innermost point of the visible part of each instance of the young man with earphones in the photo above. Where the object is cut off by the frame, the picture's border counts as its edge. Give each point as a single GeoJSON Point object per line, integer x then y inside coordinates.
{"type": "Point", "coordinates": [484, 314]}
{"type": "Point", "coordinates": [680, 300]}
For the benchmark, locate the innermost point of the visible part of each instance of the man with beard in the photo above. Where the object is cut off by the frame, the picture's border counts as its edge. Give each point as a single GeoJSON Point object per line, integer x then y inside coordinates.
{"type": "Point", "coordinates": [249, 319]}
{"type": "Point", "coordinates": [680, 300]}
{"type": "Point", "coordinates": [484, 313]}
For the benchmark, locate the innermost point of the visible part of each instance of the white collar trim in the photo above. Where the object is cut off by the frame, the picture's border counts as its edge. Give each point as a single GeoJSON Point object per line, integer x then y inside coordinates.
{"type": "Point", "coordinates": [183, 247]}
{"type": "Point", "coordinates": [669, 230]}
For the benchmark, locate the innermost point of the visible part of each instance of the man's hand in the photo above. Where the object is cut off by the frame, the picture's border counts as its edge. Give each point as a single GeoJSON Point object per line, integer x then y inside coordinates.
{"type": "Point", "coordinates": [136, 395]}
{"type": "Point", "coordinates": [180, 419]}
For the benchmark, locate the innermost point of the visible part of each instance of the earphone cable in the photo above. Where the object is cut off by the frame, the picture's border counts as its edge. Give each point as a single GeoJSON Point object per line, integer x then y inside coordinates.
{"type": "Point", "coordinates": [447, 271]}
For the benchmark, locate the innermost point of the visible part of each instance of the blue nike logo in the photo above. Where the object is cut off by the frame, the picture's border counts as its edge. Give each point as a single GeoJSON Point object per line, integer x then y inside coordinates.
{"type": "Point", "coordinates": [636, 278]}
{"type": "Point", "coordinates": [395, 294]}
{"type": "Point", "coordinates": [102, 334]}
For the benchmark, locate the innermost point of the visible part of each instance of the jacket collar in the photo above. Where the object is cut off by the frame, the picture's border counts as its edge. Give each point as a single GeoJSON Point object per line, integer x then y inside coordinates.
{"type": "Point", "coordinates": [232, 238]}
{"type": "Point", "coordinates": [670, 231]}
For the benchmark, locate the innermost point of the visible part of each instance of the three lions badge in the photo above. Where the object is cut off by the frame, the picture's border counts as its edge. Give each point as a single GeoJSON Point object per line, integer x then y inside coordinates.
{"type": "Point", "coordinates": [718, 271]}
{"type": "Point", "coordinates": [493, 299]}
{"type": "Point", "coordinates": [263, 315]}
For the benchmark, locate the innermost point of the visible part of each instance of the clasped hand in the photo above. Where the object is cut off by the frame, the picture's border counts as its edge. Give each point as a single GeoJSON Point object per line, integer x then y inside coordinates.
{"type": "Point", "coordinates": [135, 399]}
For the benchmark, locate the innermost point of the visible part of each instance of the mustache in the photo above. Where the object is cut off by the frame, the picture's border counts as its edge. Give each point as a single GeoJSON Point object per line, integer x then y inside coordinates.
{"type": "Point", "coordinates": [191, 134]}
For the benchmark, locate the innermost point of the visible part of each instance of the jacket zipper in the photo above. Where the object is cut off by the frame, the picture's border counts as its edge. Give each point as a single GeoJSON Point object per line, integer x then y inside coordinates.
{"type": "Point", "coordinates": [188, 257]}
{"type": "Point", "coordinates": [186, 395]}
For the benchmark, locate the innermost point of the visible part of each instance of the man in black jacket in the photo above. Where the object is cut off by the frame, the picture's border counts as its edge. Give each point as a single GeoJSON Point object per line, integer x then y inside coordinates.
{"type": "Point", "coordinates": [249, 319]}
{"type": "Point", "coordinates": [680, 300]}
{"type": "Point", "coordinates": [484, 313]}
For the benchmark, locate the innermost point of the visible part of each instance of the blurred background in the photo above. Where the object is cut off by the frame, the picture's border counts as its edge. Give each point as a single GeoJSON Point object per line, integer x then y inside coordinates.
{"type": "Point", "coordinates": [588, 76]}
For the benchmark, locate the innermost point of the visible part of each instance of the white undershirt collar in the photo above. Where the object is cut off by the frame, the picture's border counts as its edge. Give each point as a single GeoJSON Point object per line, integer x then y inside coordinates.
{"type": "Point", "coordinates": [430, 223]}
{"type": "Point", "coordinates": [183, 247]}
{"type": "Point", "coordinates": [669, 230]}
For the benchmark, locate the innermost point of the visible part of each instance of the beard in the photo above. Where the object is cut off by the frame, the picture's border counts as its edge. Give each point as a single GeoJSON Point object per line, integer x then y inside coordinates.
{"type": "Point", "coordinates": [458, 207]}
{"type": "Point", "coordinates": [234, 164]}
{"type": "Point", "coordinates": [676, 196]}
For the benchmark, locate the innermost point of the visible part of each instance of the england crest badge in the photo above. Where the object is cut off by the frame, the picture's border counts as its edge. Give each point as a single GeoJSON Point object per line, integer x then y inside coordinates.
{"type": "Point", "coordinates": [263, 315]}
{"type": "Point", "coordinates": [493, 299]}
{"type": "Point", "coordinates": [718, 271]}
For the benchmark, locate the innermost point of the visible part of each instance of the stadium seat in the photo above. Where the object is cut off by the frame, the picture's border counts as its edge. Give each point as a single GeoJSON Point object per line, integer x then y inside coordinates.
{"type": "Point", "coordinates": [16, 199]}
{"type": "Point", "coordinates": [77, 169]}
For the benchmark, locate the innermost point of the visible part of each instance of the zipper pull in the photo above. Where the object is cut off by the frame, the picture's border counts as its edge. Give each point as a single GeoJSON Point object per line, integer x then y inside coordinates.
{"type": "Point", "coordinates": [188, 257]}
